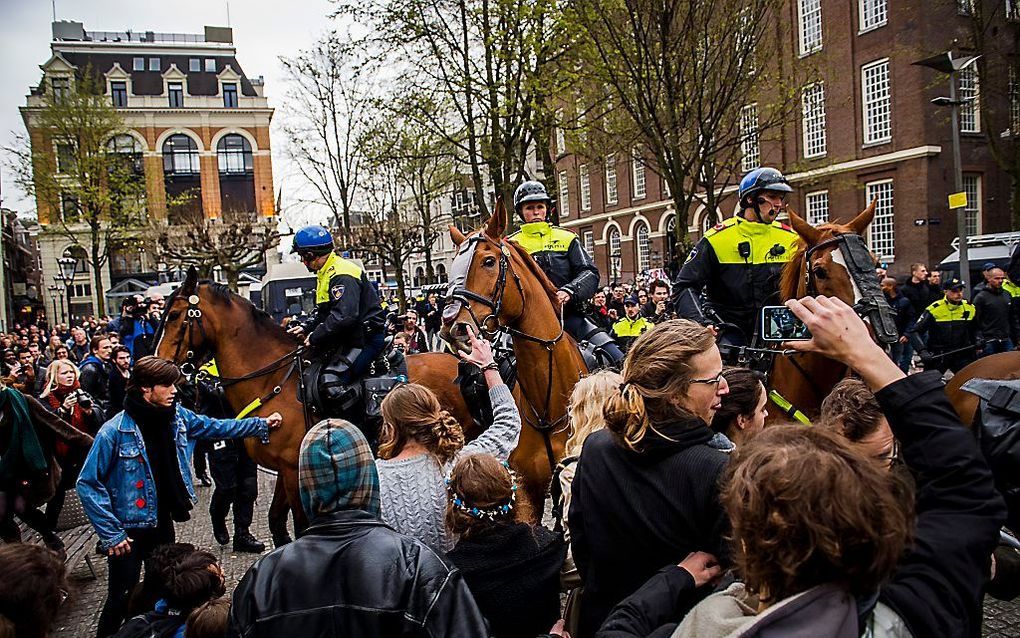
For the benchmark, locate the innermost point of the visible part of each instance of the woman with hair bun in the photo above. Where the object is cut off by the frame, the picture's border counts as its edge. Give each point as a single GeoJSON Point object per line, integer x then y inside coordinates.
{"type": "Point", "coordinates": [646, 490]}
{"type": "Point", "coordinates": [511, 567]}
{"type": "Point", "coordinates": [420, 441]}
{"type": "Point", "coordinates": [742, 414]}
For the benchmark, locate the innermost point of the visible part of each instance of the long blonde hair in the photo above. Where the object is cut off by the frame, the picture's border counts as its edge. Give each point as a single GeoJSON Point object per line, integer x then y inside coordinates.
{"type": "Point", "coordinates": [412, 412]}
{"type": "Point", "coordinates": [51, 375]}
{"type": "Point", "coordinates": [656, 376]}
{"type": "Point", "coordinates": [587, 407]}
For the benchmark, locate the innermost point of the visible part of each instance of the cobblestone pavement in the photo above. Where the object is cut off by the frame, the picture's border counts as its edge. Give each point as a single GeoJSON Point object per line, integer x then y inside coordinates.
{"type": "Point", "coordinates": [79, 615]}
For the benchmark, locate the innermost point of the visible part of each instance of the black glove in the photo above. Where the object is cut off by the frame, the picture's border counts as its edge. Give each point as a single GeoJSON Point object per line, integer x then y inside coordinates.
{"type": "Point", "coordinates": [926, 357]}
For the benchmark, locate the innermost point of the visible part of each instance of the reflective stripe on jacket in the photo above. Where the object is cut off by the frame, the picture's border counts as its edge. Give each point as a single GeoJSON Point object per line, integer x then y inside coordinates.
{"type": "Point", "coordinates": [344, 298]}
{"type": "Point", "coordinates": [559, 254]}
{"type": "Point", "coordinates": [949, 325]}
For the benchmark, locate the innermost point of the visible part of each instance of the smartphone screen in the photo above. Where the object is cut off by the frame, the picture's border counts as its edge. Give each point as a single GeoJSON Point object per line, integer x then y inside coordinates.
{"type": "Point", "coordinates": [778, 323]}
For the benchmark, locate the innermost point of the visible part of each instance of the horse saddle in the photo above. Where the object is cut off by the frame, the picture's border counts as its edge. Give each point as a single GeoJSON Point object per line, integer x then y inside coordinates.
{"type": "Point", "coordinates": [590, 341]}
{"type": "Point", "coordinates": [330, 390]}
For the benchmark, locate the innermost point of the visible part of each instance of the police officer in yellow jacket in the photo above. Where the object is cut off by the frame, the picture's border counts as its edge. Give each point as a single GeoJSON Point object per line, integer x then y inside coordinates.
{"type": "Point", "coordinates": [951, 329]}
{"type": "Point", "coordinates": [738, 262]}
{"type": "Point", "coordinates": [347, 311]}
{"type": "Point", "coordinates": [560, 255]}
{"type": "Point", "coordinates": [633, 324]}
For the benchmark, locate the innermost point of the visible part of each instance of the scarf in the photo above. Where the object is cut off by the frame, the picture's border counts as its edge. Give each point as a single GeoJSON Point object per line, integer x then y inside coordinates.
{"type": "Point", "coordinates": [78, 421]}
{"type": "Point", "coordinates": [156, 425]}
{"type": "Point", "coordinates": [24, 452]}
{"type": "Point", "coordinates": [336, 470]}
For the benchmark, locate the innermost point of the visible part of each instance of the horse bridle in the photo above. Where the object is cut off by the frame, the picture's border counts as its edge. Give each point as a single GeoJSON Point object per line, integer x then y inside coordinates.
{"type": "Point", "coordinates": [861, 267]}
{"type": "Point", "coordinates": [495, 305]}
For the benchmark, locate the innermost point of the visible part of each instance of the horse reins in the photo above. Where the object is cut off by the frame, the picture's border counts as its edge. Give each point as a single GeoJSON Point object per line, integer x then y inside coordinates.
{"type": "Point", "coordinates": [541, 423]}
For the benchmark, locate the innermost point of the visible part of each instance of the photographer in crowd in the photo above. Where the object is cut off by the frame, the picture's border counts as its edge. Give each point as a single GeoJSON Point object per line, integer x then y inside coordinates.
{"type": "Point", "coordinates": [136, 325]}
{"type": "Point", "coordinates": [95, 370]}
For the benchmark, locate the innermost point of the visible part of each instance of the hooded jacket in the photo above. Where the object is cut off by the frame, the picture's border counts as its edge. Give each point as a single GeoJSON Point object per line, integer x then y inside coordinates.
{"type": "Point", "coordinates": [350, 574]}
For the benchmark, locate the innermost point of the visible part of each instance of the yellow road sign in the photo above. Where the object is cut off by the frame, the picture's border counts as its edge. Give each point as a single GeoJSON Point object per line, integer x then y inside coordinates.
{"type": "Point", "coordinates": [958, 200]}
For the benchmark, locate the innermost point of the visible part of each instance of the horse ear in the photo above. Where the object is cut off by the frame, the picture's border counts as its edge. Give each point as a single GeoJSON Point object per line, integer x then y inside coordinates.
{"type": "Point", "coordinates": [496, 226]}
{"type": "Point", "coordinates": [808, 233]}
{"type": "Point", "coordinates": [191, 281]}
{"type": "Point", "coordinates": [860, 223]}
{"type": "Point", "coordinates": [457, 236]}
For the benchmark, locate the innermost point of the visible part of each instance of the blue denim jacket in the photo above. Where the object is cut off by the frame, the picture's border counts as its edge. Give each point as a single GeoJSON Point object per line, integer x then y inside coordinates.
{"type": "Point", "coordinates": [116, 486]}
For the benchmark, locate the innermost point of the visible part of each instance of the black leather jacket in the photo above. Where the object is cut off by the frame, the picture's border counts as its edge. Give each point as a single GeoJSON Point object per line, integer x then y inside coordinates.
{"type": "Point", "coordinates": [351, 575]}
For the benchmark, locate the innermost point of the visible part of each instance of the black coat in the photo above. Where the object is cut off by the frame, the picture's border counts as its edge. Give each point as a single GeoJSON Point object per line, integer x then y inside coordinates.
{"type": "Point", "coordinates": [633, 513]}
{"type": "Point", "coordinates": [996, 314]}
{"type": "Point", "coordinates": [919, 296]}
{"type": "Point", "coordinates": [514, 573]}
{"type": "Point", "coordinates": [351, 575]}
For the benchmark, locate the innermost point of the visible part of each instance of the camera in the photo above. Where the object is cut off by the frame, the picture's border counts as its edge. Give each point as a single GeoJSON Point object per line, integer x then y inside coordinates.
{"type": "Point", "coordinates": [83, 399]}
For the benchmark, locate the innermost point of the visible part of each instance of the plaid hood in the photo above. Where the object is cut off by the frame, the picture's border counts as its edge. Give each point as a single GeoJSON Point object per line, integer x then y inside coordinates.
{"type": "Point", "coordinates": [336, 470]}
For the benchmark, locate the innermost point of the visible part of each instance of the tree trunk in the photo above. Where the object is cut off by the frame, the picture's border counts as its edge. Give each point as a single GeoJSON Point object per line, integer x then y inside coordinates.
{"type": "Point", "coordinates": [430, 272]}
{"type": "Point", "coordinates": [400, 287]}
{"type": "Point", "coordinates": [232, 277]}
{"type": "Point", "coordinates": [97, 275]}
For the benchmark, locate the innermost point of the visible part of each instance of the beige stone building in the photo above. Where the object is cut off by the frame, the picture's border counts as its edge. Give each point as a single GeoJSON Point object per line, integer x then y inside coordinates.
{"type": "Point", "coordinates": [196, 123]}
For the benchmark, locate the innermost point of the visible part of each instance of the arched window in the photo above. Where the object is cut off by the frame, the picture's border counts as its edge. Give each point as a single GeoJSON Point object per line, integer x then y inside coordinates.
{"type": "Point", "coordinates": [671, 253]}
{"type": "Point", "coordinates": [419, 276]}
{"type": "Point", "coordinates": [234, 154]}
{"type": "Point", "coordinates": [81, 256]}
{"type": "Point", "coordinates": [180, 156]}
{"type": "Point", "coordinates": [615, 257]}
{"type": "Point", "coordinates": [441, 273]}
{"type": "Point", "coordinates": [642, 247]}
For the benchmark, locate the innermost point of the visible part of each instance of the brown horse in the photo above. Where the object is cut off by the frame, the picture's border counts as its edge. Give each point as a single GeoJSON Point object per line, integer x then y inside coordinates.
{"type": "Point", "coordinates": [496, 285]}
{"type": "Point", "coordinates": [254, 355]}
{"type": "Point", "coordinates": [806, 379]}
{"type": "Point", "coordinates": [1004, 366]}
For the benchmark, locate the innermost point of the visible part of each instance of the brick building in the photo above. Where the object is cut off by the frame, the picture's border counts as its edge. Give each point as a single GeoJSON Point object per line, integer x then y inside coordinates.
{"type": "Point", "coordinates": [196, 123]}
{"type": "Point", "coordinates": [864, 129]}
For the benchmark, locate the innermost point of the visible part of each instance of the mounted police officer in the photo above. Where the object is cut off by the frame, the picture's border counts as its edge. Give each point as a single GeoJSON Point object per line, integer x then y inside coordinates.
{"type": "Point", "coordinates": [347, 311]}
{"type": "Point", "coordinates": [559, 254]}
{"type": "Point", "coordinates": [951, 329]}
{"type": "Point", "coordinates": [738, 262]}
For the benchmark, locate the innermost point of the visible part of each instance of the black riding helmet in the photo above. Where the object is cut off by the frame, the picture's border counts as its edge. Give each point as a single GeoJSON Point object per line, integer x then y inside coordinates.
{"type": "Point", "coordinates": [531, 191]}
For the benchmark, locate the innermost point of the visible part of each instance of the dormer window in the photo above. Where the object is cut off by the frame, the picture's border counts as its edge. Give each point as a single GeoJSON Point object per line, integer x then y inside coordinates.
{"type": "Point", "coordinates": [210, 65]}
{"type": "Point", "coordinates": [175, 92]}
{"type": "Point", "coordinates": [137, 64]}
{"type": "Point", "coordinates": [154, 64]}
{"type": "Point", "coordinates": [230, 95]}
{"type": "Point", "coordinates": [118, 93]}
{"type": "Point", "coordinates": [194, 65]}
{"type": "Point", "coordinates": [61, 87]}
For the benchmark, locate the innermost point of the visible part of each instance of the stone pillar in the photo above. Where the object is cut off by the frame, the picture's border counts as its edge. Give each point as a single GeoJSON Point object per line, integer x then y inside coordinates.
{"type": "Point", "coordinates": [265, 200]}
{"type": "Point", "coordinates": [210, 172]}
{"type": "Point", "coordinates": [155, 187]}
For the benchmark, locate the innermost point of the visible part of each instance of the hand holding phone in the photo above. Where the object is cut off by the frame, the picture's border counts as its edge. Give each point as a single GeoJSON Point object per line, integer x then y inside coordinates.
{"type": "Point", "coordinates": [778, 324]}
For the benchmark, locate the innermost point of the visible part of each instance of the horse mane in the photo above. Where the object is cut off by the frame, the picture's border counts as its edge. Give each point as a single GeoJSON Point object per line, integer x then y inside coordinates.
{"type": "Point", "coordinates": [223, 293]}
{"type": "Point", "coordinates": [535, 271]}
{"type": "Point", "coordinates": [791, 277]}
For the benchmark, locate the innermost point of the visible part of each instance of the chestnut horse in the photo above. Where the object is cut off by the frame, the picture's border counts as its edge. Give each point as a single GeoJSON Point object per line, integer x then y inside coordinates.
{"type": "Point", "coordinates": [495, 285]}
{"type": "Point", "coordinates": [816, 268]}
{"type": "Point", "coordinates": [1004, 366]}
{"type": "Point", "coordinates": [254, 356]}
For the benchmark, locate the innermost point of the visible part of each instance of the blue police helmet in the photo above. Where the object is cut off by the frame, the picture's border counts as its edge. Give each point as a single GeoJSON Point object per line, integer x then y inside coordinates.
{"type": "Point", "coordinates": [313, 239]}
{"type": "Point", "coordinates": [761, 179]}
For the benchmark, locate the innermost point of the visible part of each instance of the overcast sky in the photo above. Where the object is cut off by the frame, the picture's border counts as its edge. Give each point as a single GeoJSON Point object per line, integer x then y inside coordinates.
{"type": "Point", "coordinates": [263, 31]}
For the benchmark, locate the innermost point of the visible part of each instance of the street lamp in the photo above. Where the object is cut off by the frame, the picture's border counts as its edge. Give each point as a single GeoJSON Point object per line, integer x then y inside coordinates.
{"type": "Point", "coordinates": [67, 266]}
{"type": "Point", "coordinates": [946, 63]}
{"type": "Point", "coordinates": [53, 297]}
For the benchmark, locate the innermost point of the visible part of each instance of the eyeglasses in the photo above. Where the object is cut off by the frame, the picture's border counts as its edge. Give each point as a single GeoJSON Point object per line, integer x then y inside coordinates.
{"type": "Point", "coordinates": [63, 594]}
{"type": "Point", "coordinates": [890, 456]}
{"type": "Point", "coordinates": [716, 380]}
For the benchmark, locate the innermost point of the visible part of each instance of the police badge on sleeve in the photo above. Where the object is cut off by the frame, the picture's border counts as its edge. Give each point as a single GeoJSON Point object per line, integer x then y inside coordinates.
{"type": "Point", "coordinates": [337, 291]}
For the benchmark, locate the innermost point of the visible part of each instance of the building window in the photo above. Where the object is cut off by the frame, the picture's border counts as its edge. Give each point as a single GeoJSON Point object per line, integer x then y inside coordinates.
{"type": "Point", "coordinates": [965, 7]}
{"type": "Point", "coordinates": [612, 193]}
{"type": "Point", "coordinates": [582, 172]}
{"type": "Point", "coordinates": [233, 153]}
{"type": "Point", "coordinates": [810, 26]}
{"type": "Point", "coordinates": [882, 229]}
{"type": "Point", "coordinates": [65, 158]}
{"type": "Point", "coordinates": [61, 89]}
{"type": "Point", "coordinates": [68, 208]}
{"type": "Point", "coordinates": [749, 137]}
{"type": "Point", "coordinates": [813, 109]}
{"type": "Point", "coordinates": [588, 241]}
{"type": "Point", "coordinates": [230, 95]}
{"type": "Point", "coordinates": [615, 257]}
{"type": "Point", "coordinates": [180, 155]}
{"type": "Point", "coordinates": [972, 213]}
{"type": "Point", "coordinates": [175, 92]}
{"type": "Point", "coordinates": [638, 170]}
{"type": "Point", "coordinates": [210, 65]}
{"type": "Point", "coordinates": [561, 141]}
{"type": "Point", "coordinates": [1012, 10]}
{"type": "Point", "coordinates": [1014, 103]}
{"type": "Point", "coordinates": [873, 14]}
{"type": "Point", "coordinates": [137, 64]}
{"type": "Point", "coordinates": [970, 95]}
{"type": "Point", "coordinates": [154, 64]}
{"type": "Point", "coordinates": [643, 248]}
{"type": "Point", "coordinates": [564, 203]}
{"type": "Point", "coordinates": [817, 205]}
{"type": "Point", "coordinates": [118, 93]}
{"type": "Point", "coordinates": [194, 65]}
{"type": "Point", "coordinates": [877, 102]}
{"type": "Point", "coordinates": [127, 147]}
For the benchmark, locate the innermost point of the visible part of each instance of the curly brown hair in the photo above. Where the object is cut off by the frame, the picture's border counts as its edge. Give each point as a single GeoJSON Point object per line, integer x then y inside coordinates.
{"type": "Point", "coordinates": [807, 509]}
{"type": "Point", "coordinates": [483, 482]}
{"type": "Point", "coordinates": [412, 412]}
{"type": "Point", "coordinates": [656, 375]}
{"type": "Point", "coordinates": [851, 408]}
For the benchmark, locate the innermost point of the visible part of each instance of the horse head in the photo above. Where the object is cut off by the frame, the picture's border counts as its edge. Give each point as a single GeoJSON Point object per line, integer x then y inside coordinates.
{"type": "Point", "coordinates": [827, 253]}
{"type": "Point", "coordinates": [484, 292]}
{"type": "Point", "coordinates": [187, 331]}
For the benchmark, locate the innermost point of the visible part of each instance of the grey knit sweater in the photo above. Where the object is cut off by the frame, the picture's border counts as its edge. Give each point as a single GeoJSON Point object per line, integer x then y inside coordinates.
{"type": "Point", "coordinates": [413, 490]}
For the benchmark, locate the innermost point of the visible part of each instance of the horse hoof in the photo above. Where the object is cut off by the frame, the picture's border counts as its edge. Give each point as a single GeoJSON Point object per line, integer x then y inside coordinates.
{"type": "Point", "coordinates": [280, 541]}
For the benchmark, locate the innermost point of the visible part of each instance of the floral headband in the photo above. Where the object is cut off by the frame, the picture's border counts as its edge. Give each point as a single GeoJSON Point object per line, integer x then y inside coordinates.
{"type": "Point", "coordinates": [488, 513]}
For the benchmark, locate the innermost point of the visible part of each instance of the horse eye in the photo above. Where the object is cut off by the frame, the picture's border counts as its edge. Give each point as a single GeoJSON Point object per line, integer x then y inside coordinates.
{"type": "Point", "coordinates": [820, 273]}
{"type": "Point", "coordinates": [489, 262]}
{"type": "Point", "coordinates": [173, 316]}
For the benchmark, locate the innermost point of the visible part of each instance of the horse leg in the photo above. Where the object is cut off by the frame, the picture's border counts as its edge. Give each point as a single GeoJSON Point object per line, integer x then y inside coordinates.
{"type": "Point", "coordinates": [279, 508]}
{"type": "Point", "coordinates": [290, 485]}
